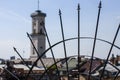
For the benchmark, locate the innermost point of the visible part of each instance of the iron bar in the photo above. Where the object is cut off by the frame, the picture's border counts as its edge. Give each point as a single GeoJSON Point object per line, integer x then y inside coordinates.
{"type": "Point", "coordinates": [114, 66]}
{"type": "Point", "coordinates": [52, 52]}
{"type": "Point", "coordinates": [67, 40]}
{"type": "Point", "coordinates": [36, 52]}
{"type": "Point", "coordinates": [53, 65]}
{"type": "Point", "coordinates": [78, 40]}
{"type": "Point", "coordinates": [20, 57]}
{"type": "Point", "coordinates": [11, 74]}
{"type": "Point", "coordinates": [64, 42]}
{"type": "Point", "coordinates": [35, 49]}
{"type": "Point", "coordinates": [96, 31]}
{"type": "Point", "coordinates": [117, 69]}
{"type": "Point", "coordinates": [116, 75]}
{"type": "Point", "coordinates": [67, 58]}
{"type": "Point", "coordinates": [110, 51]}
{"type": "Point", "coordinates": [74, 56]}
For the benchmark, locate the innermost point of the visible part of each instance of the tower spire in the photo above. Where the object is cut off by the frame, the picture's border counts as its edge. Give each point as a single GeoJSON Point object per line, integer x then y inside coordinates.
{"type": "Point", "coordinates": [38, 4]}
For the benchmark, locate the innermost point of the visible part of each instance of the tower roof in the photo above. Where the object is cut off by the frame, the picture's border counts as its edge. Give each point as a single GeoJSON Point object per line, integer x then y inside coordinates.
{"type": "Point", "coordinates": [38, 13]}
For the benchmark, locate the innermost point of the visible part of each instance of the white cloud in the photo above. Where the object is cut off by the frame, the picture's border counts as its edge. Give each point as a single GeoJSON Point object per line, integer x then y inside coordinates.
{"type": "Point", "coordinates": [12, 15]}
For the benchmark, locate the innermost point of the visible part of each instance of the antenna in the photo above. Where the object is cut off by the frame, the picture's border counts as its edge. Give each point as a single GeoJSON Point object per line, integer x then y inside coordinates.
{"type": "Point", "coordinates": [38, 4]}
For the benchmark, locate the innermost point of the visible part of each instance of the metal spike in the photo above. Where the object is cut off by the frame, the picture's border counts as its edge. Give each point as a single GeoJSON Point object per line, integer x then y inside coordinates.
{"type": "Point", "coordinates": [20, 57]}
{"type": "Point", "coordinates": [52, 52]}
{"type": "Point", "coordinates": [64, 45]}
{"type": "Point", "coordinates": [110, 52]}
{"type": "Point", "coordinates": [37, 54]}
{"type": "Point", "coordinates": [60, 12]}
{"type": "Point", "coordinates": [11, 73]}
{"type": "Point", "coordinates": [78, 7]}
{"type": "Point", "coordinates": [27, 34]}
{"type": "Point", "coordinates": [100, 4]}
{"type": "Point", "coordinates": [94, 44]}
{"type": "Point", "coordinates": [78, 39]}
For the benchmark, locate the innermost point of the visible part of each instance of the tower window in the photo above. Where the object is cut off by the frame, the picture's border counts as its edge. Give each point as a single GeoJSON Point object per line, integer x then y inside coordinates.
{"type": "Point", "coordinates": [41, 31]}
{"type": "Point", "coordinates": [41, 47]}
{"type": "Point", "coordinates": [42, 23]}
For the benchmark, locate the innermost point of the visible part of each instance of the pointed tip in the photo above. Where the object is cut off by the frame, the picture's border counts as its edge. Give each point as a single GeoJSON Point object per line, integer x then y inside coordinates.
{"type": "Point", "coordinates": [27, 33]}
{"type": "Point", "coordinates": [100, 4]}
{"type": "Point", "coordinates": [78, 6]}
{"type": "Point", "coordinates": [14, 48]}
{"type": "Point", "coordinates": [59, 12]}
{"type": "Point", "coordinates": [119, 24]}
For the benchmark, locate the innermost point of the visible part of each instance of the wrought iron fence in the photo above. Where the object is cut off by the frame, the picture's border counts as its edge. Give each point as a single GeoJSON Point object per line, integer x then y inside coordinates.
{"type": "Point", "coordinates": [77, 70]}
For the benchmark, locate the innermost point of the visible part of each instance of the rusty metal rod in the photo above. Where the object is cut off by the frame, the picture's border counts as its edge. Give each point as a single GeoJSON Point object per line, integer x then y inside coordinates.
{"type": "Point", "coordinates": [110, 52]}
{"type": "Point", "coordinates": [68, 40]}
{"type": "Point", "coordinates": [64, 42]}
{"type": "Point", "coordinates": [116, 75]}
{"type": "Point", "coordinates": [20, 57]}
{"type": "Point", "coordinates": [52, 52]}
{"type": "Point", "coordinates": [96, 31]}
{"type": "Point", "coordinates": [78, 40]}
{"type": "Point", "coordinates": [37, 54]}
{"type": "Point", "coordinates": [11, 74]}
{"type": "Point", "coordinates": [115, 68]}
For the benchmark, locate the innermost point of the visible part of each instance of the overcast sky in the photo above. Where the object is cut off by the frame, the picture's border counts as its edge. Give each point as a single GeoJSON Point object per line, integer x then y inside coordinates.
{"type": "Point", "coordinates": [15, 21]}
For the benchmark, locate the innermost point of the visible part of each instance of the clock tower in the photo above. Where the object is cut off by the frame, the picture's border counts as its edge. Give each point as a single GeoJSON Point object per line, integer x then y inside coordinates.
{"type": "Point", "coordinates": [38, 34]}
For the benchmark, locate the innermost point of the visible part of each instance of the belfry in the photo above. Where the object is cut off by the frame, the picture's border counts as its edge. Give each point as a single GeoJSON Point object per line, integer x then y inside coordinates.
{"type": "Point", "coordinates": [38, 34]}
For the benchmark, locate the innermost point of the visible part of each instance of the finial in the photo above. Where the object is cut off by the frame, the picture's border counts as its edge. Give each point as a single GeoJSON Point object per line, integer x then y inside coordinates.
{"type": "Point", "coordinates": [27, 34]}
{"type": "Point", "coordinates": [38, 4]}
{"type": "Point", "coordinates": [100, 4]}
{"type": "Point", "coordinates": [60, 12]}
{"type": "Point", "coordinates": [14, 48]}
{"type": "Point", "coordinates": [78, 6]}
